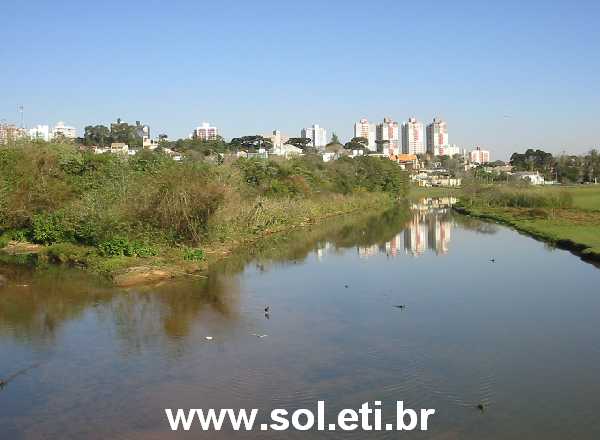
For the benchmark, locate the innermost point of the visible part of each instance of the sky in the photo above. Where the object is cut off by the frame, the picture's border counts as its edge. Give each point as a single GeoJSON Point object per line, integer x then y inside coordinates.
{"type": "Point", "coordinates": [505, 75]}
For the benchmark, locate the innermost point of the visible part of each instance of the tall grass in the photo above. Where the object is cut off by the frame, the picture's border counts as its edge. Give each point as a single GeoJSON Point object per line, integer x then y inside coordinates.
{"type": "Point", "coordinates": [516, 197]}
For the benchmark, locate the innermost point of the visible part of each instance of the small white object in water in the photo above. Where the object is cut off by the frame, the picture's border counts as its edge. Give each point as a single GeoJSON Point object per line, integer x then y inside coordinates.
{"type": "Point", "coordinates": [208, 338]}
{"type": "Point", "coordinates": [259, 336]}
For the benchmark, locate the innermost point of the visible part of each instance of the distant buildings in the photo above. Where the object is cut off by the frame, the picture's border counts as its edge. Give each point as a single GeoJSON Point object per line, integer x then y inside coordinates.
{"type": "Point", "coordinates": [39, 132]}
{"type": "Point", "coordinates": [45, 133]}
{"type": "Point", "coordinates": [317, 135]}
{"type": "Point", "coordinates": [449, 150]}
{"type": "Point", "coordinates": [142, 131]}
{"type": "Point", "coordinates": [276, 138]}
{"type": "Point", "coordinates": [366, 130]}
{"type": "Point", "coordinates": [479, 156]}
{"type": "Point", "coordinates": [387, 134]}
{"type": "Point", "coordinates": [412, 137]}
{"type": "Point", "coordinates": [286, 150]}
{"type": "Point", "coordinates": [437, 136]}
{"type": "Point", "coordinates": [533, 177]}
{"type": "Point", "coordinates": [205, 132]}
{"type": "Point", "coordinates": [10, 133]}
{"type": "Point", "coordinates": [62, 130]}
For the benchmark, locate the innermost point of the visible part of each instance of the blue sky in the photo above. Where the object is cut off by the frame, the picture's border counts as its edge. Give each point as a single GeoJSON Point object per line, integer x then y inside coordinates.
{"type": "Point", "coordinates": [506, 75]}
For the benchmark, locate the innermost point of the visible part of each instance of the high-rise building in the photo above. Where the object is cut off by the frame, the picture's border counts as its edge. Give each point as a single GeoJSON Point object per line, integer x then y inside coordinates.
{"type": "Point", "coordinates": [62, 130]}
{"type": "Point", "coordinates": [437, 136]}
{"type": "Point", "coordinates": [412, 137]}
{"type": "Point", "coordinates": [387, 134]}
{"type": "Point", "coordinates": [10, 133]}
{"type": "Point", "coordinates": [318, 136]}
{"type": "Point", "coordinates": [479, 156]}
{"type": "Point", "coordinates": [449, 150]}
{"type": "Point", "coordinates": [205, 132]}
{"type": "Point", "coordinates": [366, 130]}
{"type": "Point", "coordinates": [39, 132]}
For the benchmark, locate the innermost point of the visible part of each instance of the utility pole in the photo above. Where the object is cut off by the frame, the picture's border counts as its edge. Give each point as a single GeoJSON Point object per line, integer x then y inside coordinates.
{"type": "Point", "coordinates": [21, 109]}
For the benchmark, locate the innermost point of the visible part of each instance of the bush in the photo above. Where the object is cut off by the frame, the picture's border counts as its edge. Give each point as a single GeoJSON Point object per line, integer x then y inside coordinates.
{"type": "Point", "coordinates": [122, 247]}
{"type": "Point", "coordinates": [50, 228]}
{"type": "Point", "coordinates": [193, 254]}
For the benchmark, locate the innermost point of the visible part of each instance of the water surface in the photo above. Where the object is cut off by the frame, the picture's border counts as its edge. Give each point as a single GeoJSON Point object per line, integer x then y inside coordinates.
{"type": "Point", "coordinates": [520, 335]}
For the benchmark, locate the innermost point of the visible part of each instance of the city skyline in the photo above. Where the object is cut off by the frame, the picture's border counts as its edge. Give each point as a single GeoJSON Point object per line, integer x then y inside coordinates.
{"type": "Point", "coordinates": [499, 77]}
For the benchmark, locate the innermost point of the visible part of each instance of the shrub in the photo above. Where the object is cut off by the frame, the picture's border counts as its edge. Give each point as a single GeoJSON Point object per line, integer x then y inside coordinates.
{"type": "Point", "coordinates": [121, 246]}
{"type": "Point", "coordinates": [193, 254]}
{"type": "Point", "coordinates": [50, 228]}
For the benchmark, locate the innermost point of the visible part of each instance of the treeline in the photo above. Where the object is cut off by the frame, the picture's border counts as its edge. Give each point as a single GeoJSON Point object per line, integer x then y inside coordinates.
{"type": "Point", "coordinates": [53, 193]}
{"type": "Point", "coordinates": [564, 168]}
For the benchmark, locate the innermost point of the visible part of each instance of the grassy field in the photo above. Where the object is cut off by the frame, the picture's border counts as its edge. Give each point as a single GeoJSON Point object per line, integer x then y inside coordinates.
{"type": "Point", "coordinates": [566, 216]}
{"type": "Point", "coordinates": [586, 197]}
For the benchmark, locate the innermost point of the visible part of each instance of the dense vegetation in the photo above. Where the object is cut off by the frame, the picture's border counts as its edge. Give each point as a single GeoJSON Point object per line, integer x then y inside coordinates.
{"type": "Point", "coordinates": [134, 206]}
{"type": "Point", "coordinates": [564, 168]}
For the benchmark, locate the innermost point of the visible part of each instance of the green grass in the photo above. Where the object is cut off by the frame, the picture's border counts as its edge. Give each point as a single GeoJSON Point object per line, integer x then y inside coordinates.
{"type": "Point", "coordinates": [575, 228]}
{"type": "Point", "coordinates": [586, 197]}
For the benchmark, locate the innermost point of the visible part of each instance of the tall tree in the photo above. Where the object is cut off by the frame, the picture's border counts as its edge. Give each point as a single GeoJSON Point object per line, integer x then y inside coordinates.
{"type": "Point", "coordinates": [302, 143]}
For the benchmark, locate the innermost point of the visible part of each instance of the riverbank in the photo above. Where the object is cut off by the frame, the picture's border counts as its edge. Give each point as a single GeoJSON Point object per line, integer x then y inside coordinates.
{"type": "Point", "coordinates": [280, 216]}
{"type": "Point", "coordinates": [574, 226]}
{"type": "Point", "coordinates": [147, 217]}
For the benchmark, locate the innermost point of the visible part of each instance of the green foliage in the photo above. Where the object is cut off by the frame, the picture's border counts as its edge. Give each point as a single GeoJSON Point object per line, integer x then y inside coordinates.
{"type": "Point", "coordinates": [357, 143]}
{"type": "Point", "coordinates": [515, 197]}
{"type": "Point", "coordinates": [193, 254]}
{"type": "Point", "coordinates": [48, 228]}
{"type": "Point", "coordinates": [302, 143]}
{"type": "Point", "coordinates": [54, 193]}
{"type": "Point", "coordinates": [67, 253]}
{"type": "Point", "coordinates": [121, 246]}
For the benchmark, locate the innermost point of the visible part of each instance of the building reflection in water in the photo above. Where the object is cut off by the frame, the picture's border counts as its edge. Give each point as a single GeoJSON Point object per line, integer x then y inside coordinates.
{"type": "Point", "coordinates": [430, 228]}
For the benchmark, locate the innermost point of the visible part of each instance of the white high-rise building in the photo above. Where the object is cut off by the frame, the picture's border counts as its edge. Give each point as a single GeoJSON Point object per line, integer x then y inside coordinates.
{"type": "Point", "coordinates": [366, 130]}
{"type": "Point", "coordinates": [205, 132]}
{"type": "Point", "coordinates": [388, 135]}
{"type": "Point", "coordinates": [479, 156]}
{"type": "Point", "coordinates": [412, 137]}
{"type": "Point", "coordinates": [40, 132]}
{"type": "Point", "coordinates": [449, 150]}
{"type": "Point", "coordinates": [437, 136]}
{"type": "Point", "coordinates": [318, 136]}
{"type": "Point", "coordinates": [62, 130]}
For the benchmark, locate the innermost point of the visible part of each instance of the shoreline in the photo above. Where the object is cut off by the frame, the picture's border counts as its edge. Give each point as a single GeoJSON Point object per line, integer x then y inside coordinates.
{"type": "Point", "coordinates": [582, 250]}
{"type": "Point", "coordinates": [137, 271]}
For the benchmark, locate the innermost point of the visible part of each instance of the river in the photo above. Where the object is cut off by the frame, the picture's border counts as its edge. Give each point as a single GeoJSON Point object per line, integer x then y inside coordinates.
{"type": "Point", "coordinates": [84, 360]}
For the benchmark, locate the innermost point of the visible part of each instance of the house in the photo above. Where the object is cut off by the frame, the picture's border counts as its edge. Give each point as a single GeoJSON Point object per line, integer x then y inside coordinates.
{"type": "Point", "coordinates": [287, 150]}
{"type": "Point", "coordinates": [406, 161]}
{"type": "Point", "coordinates": [533, 177]}
{"type": "Point", "coordinates": [119, 148]}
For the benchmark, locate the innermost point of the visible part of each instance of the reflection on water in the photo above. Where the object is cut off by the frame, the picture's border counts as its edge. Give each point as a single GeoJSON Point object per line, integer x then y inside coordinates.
{"type": "Point", "coordinates": [86, 360]}
{"type": "Point", "coordinates": [429, 228]}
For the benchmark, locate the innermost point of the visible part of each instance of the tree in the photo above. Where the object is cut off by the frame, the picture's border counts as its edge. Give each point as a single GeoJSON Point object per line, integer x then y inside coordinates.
{"type": "Point", "coordinates": [125, 133]}
{"type": "Point", "coordinates": [251, 143]}
{"type": "Point", "coordinates": [357, 143]}
{"type": "Point", "coordinates": [334, 139]}
{"type": "Point", "coordinates": [98, 135]}
{"type": "Point", "coordinates": [534, 160]}
{"type": "Point", "coordinates": [302, 143]}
